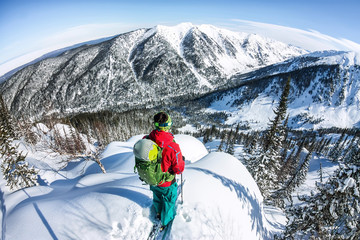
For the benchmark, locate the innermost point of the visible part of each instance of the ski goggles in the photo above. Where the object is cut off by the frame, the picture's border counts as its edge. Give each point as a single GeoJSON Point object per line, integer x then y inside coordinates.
{"type": "Point", "coordinates": [164, 126]}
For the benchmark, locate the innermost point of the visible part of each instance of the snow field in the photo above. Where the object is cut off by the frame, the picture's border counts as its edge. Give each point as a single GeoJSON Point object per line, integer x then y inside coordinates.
{"type": "Point", "coordinates": [221, 200]}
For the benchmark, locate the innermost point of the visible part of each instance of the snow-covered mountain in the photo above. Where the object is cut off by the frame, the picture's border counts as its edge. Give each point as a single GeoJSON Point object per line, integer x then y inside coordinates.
{"type": "Point", "coordinates": [52, 54]}
{"type": "Point", "coordinates": [212, 71]}
{"type": "Point", "coordinates": [325, 93]}
{"type": "Point", "coordinates": [146, 67]}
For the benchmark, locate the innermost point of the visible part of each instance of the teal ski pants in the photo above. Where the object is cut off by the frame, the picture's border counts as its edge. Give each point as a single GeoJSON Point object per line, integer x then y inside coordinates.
{"type": "Point", "coordinates": [164, 199]}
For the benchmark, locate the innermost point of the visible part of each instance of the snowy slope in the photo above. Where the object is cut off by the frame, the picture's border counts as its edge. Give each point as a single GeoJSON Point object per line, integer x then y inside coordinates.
{"type": "Point", "coordinates": [130, 70]}
{"type": "Point", "coordinates": [225, 73]}
{"type": "Point", "coordinates": [221, 200]}
{"type": "Point", "coordinates": [325, 93]}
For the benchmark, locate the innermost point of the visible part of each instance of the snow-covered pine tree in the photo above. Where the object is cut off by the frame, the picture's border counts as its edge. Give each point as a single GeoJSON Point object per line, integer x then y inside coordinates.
{"type": "Point", "coordinates": [297, 155]}
{"type": "Point", "coordinates": [276, 133]}
{"type": "Point", "coordinates": [292, 175]}
{"type": "Point", "coordinates": [25, 129]}
{"type": "Point", "coordinates": [58, 145]}
{"type": "Point", "coordinates": [327, 147]}
{"type": "Point", "coordinates": [5, 119]}
{"type": "Point", "coordinates": [206, 135]}
{"type": "Point", "coordinates": [15, 169]}
{"type": "Point", "coordinates": [333, 212]}
{"type": "Point", "coordinates": [255, 165]}
{"type": "Point", "coordinates": [320, 146]}
{"type": "Point", "coordinates": [266, 173]}
{"type": "Point", "coordinates": [288, 168]}
{"type": "Point", "coordinates": [336, 150]}
{"type": "Point", "coordinates": [300, 175]}
{"type": "Point", "coordinates": [269, 161]}
{"type": "Point", "coordinates": [353, 155]}
{"type": "Point", "coordinates": [253, 143]}
{"type": "Point", "coordinates": [213, 132]}
{"type": "Point", "coordinates": [285, 141]}
{"type": "Point", "coordinates": [286, 128]}
{"type": "Point", "coordinates": [222, 142]}
{"type": "Point", "coordinates": [230, 148]}
{"type": "Point", "coordinates": [348, 149]}
{"type": "Point", "coordinates": [356, 157]}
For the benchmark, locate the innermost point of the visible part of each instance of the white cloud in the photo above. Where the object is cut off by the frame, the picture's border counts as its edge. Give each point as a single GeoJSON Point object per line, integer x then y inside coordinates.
{"type": "Point", "coordinates": [308, 39]}
{"type": "Point", "coordinates": [85, 33]}
{"type": "Point", "coordinates": [17, 62]}
{"type": "Point", "coordinates": [64, 39]}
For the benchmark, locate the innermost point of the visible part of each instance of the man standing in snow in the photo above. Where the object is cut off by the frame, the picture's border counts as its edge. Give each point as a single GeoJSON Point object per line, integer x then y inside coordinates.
{"type": "Point", "coordinates": [165, 194]}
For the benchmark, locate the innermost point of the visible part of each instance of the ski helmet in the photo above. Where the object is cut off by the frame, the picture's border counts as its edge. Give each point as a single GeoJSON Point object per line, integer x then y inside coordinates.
{"type": "Point", "coordinates": [164, 126]}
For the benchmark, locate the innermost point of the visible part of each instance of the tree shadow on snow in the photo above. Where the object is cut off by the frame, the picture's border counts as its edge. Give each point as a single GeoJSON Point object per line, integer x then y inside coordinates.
{"type": "Point", "coordinates": [3, 211]}
{"type": "Point", "coordinates": [67, 192]}
{"type": "Point", "coordinates": [96, 220]}
{"type": "Point", "coordinates": [255, 211]}
{"type": "Point", "coordinates": [65, 189]}
{"type": "Point", "coordinates": [87, 166]}
{"type": "Point", "coordinates": [87, 220]}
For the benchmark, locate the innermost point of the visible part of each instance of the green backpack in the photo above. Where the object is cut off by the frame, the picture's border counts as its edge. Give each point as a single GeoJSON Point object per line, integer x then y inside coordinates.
{"type": "Point", "coordinates": [148, 156]}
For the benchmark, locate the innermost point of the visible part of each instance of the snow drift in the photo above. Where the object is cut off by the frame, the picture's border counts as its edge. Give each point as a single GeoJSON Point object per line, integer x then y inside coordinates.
{"type": "Point", "coordinates": [221, 200]}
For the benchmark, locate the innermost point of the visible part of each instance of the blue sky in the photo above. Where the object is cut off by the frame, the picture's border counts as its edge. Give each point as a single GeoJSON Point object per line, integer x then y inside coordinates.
{"type": "Point", "coordinates": [30, 25]}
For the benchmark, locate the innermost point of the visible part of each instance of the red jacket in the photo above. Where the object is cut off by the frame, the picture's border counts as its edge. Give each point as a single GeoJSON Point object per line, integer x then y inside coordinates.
{"type": "Point", "coordinates": [172, 159]}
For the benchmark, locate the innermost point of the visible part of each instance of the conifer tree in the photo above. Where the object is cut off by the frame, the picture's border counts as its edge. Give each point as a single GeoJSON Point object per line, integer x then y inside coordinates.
{"type": "Point", "coordinates": [285, 144]}
{"type": "Point", "coordinates": [253, 164]}
{"type": "Point", "coordinates": [15, 169]}
{"type": "Point", "coordinates": [332, 213]}
{"type": "Point", "coordinates": [230, 147]}
{"type": "Point", "coordinates": [222, 142]}
{"type": "Point", "coordinates": [326, 147]}
{"type": "Point", "coordinates": [288, 168]}
{"type": "Point", "coordinates": [296, 157]}
{"type": "Point", "coordinates": [206, 135]}
{"type": "Point", "coordinates": [5, 119]}
{"type": "Point", "coordinates": [337, 149]}
{"type": "Point", "coordinates": [221, 146]}
{"type": "Point", "coordinates": [321, 146]}
{"type": "Point", "coordinates": [269, 161]}
{"type": "Point", "coordinates": [353, 154]}
{"type": "Point", "coordinates": [276, 133]}
{"type": "Point", "coordinates": [264, 175]}
{"type": "Point", "coordinates": [213, 132]}
{"type": "Point", "coordinates": [301, 174]}
{"type": "Point", "coordinates": [253, 144]}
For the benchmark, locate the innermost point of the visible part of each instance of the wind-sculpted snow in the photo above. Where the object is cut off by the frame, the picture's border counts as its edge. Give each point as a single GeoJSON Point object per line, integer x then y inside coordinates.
{"type": "Point", "coordinates": [221, 200]}
{"type": "Point", "coordinates": [144, 67]}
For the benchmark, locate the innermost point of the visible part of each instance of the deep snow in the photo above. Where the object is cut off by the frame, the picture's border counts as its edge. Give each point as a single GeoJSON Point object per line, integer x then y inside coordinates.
{"type": "Point", "coordinates": [221, 200]}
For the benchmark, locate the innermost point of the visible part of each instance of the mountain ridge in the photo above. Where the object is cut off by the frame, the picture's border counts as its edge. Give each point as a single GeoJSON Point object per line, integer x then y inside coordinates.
{"type": "Point", "coordinates": [324, 93]}
{"type": "Point", "coordinates": [138, 63]}
{"type": "Point", "coordinates": [153, 67]}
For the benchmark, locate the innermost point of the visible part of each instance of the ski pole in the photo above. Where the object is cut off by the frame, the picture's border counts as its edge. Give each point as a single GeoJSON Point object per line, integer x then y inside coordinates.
{"type": "Point", "coordinates": [182, 199]}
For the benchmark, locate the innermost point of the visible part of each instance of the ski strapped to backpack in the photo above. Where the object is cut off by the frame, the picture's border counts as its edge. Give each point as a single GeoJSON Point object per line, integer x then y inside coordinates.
{"type": "Point", "coordinates": [148, 156]}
